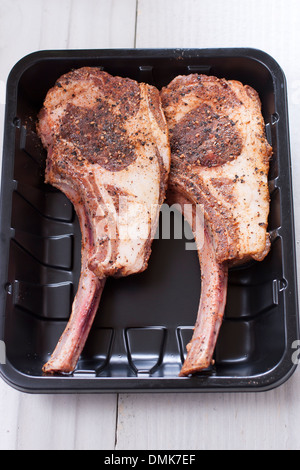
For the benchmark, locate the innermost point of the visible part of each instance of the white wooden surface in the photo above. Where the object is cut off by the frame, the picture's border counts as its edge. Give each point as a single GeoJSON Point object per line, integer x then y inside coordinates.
{"type": "Point", "coordinates": [269, 420]}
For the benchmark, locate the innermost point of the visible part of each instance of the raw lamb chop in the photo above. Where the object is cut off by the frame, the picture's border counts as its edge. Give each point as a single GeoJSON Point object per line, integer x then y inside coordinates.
{"type": "Point", "coordinates": [108, 151]}
{"type": "Point", "coordinates": [219, 162]}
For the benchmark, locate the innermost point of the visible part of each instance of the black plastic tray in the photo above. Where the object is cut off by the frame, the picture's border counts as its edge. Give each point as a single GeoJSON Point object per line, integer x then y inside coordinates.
{"type": "Point", "coordinates": [138, 340]}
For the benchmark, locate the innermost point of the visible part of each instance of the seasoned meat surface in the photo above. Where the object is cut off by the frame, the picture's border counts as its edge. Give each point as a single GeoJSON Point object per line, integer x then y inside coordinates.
{"type": "Point", "coordinates": [108, 151]}
{"type": "Point", "coordinates": [219, 162]}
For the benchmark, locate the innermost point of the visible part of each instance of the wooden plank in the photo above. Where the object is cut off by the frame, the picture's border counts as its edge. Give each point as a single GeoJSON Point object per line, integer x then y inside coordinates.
{"type": "Point", "coordinates": [27, 26]}
{"type": "Point", "coordinates": [110, 24]}
{"type": "Point", "coordinates": [58, 421]}
{"type": "Point", "coordinates": [160, 421]}
{"type": "Point", "coordinates": [211, 421]}
{"type": "Point", "coordinates": [238, 420]}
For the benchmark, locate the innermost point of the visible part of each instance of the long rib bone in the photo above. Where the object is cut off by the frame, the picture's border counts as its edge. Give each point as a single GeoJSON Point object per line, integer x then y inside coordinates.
{"type": "Point", "coordinates": [213, 288]}
{"type": "Point", "coordinates": [85, 305]}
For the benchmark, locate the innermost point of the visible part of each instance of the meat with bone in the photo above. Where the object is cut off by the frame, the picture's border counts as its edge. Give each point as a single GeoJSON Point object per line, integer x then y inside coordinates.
{"type": "Point", "coordinates": [219, 163]}
{"type": "Point", "coordinates": [108, 151]}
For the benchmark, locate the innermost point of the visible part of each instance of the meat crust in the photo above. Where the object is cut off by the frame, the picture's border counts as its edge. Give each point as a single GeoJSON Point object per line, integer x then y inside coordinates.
{"type": "Point", "coordinates": [103, 131]}
{"type": "Point", "coordinates": [220, 158]}
{"type": "Point", "coordinates": [219, 162]}
{"type": "Point", "coordinates": [108, 151]}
